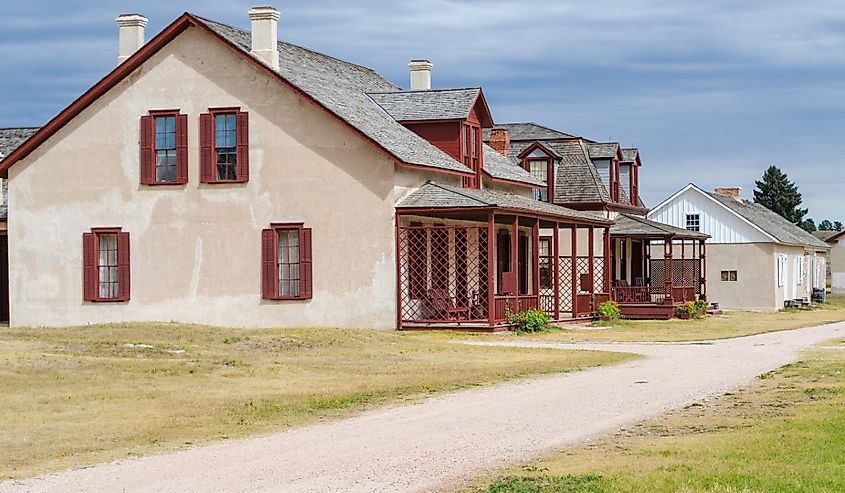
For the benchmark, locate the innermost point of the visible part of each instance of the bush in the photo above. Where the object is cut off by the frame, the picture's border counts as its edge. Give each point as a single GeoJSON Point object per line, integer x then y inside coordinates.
{"type": "Point", "coordinates": [695, 308]}
{"type": "Point", "coordinates": [609, 309]}
{"type": "Point", "coordinates": [529, 320]}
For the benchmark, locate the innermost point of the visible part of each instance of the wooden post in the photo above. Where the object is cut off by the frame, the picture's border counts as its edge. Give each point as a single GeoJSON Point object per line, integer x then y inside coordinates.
{"type": "Point", "coordinates": [703, 266]}
{"type": "Point", "coordinates": [399, 273]}
{"type": "Point", "coordinates": [515, 255]}
{"type": "Point", "coordinates": [574, 271]}
{"type": "Point", "coordinates": [535, 260]}
{"type": "Point", "coordinates": [491, 268]}
{"type": "Point", "coordinates": [556, 267]}
{"type": "Point", "coordinates": [683, 269]}
{"type": "Point", "coordinates": [591, 252]}
{"type": "Point", "coordinates": [668, 273]}
{"type": "Point", "coordinates": [607, 259]}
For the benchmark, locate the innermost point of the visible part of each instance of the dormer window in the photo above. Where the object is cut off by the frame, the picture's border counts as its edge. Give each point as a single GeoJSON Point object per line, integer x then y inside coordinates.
{"type": "Point", "coordinates": [471, 153]}
{"type": "Point", "coordinates": [539, 169]}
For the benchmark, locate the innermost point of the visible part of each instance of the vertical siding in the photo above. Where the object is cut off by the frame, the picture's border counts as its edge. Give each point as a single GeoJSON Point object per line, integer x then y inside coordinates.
{"type": "Point", "coordinates": [722, 225]}
{"type": "Point", "coordinates": [625, 178]}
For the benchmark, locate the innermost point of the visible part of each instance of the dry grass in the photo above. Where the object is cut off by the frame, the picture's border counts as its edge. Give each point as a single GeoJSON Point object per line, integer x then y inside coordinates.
{"type": "Point", "coordinates": [784, 434]}
{"type": "Point", "coordinates": [76, 396]}
{"type": "Point", "coordinates": [732, 324]}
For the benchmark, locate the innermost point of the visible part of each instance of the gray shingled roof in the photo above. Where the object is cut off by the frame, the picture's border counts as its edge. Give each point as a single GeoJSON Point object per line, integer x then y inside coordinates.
{"type": "Point", "coordinates": [529, 131]}
{"type": "Point", "coordinates": [630, 225]}
{"type": "Point", "coordinates": [438, 104]}
{"type": "Point", "coordinates": [11, 138]}
{"type": "Point", "coordinates": [437, 195]}
{"type": "Point", "coordinates": [578, 179]}
{"type": "Point", "coordinates": [602, 150]}
{"type": "Point", "coordinates": [827, 235]}
{"type": "Point", "coordinates": [630, 155]}
{"type": "Point", "coordinates": [772, 223]}
{"type": "Point", "coordinates": [498, 166]}
{"type": "Point", "coordinates": [342, 88]}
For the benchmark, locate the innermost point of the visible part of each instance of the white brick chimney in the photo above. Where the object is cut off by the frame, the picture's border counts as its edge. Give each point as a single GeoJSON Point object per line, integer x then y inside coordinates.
{"type": "Point", "coordinates": [265, 35]}
{"type": "Point", "coordinates": [420, 75]}
{"type": "Point", "coordinates": [130, 28]}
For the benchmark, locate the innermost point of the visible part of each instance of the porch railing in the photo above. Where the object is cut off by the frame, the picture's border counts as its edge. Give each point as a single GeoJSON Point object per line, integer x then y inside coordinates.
{"type": "Point", "coordinates": [514, 304]}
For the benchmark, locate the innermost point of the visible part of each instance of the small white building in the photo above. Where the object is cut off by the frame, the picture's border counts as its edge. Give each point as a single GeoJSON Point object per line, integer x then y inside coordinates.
{"type": "Point", "coordinates": [836, 242]}
{"type": "Point", "coordinates": [756, 259]}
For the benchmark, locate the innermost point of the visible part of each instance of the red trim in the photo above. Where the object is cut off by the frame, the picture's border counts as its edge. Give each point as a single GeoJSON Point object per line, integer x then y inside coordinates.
{"type": "Point", "coordinates": [269, 262]}
{"type": "Point", "coordinates": [148, 147]}
{"type": "Point", "coordinates": [538, 145]}
{"type": "Point", "coordinates": [142, 55]}
{"type": "Point", "coordinates": [550, 172]}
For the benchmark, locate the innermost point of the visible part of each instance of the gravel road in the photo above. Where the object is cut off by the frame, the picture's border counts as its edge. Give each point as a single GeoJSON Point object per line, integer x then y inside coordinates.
{"type": "Point", "coordinates": [443, 440]}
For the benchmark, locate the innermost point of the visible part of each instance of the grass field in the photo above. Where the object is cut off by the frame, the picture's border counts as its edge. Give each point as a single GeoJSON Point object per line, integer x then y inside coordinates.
{"type": "Point", "coordinates": [784, 434]}
{"type": "Point", "coordinates": [76, 396]}
{"type": "Point", "coordinates": [732, 324]}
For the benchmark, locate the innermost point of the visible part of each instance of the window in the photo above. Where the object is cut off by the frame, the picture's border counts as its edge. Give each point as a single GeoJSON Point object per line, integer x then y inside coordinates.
{"type": "Point", "coordinates": [224, 146]}
{"type": "Point", "coordinates": [470, 137]}
{"type": "Point", "coordinates": [546, 264]}
{"type": "Point", "coordinates": [539, 169]}
{"type": "Point", "coordinates": [105, 258]}
{"type": "Point", "coordinates": [164, 148]}
{"type": "Point", "coordinates": [782, 259]}
{"type": "Point", "coordinates": [729, 275]}
{"type": "Point", "coordinates": [286, 262]}
{"type": "Point", "coordinates": [799, 269]}
{"type": "Point", "coordinates": [693, 222]}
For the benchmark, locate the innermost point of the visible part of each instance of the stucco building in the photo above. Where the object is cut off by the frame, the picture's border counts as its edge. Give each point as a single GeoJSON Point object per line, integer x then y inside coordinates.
{"type": "Point", "coordinates": [219, 176]}
{"type": "Point", "coordinates": [755, 259]}
{"type": "Point", "coordinates": [836, 266]}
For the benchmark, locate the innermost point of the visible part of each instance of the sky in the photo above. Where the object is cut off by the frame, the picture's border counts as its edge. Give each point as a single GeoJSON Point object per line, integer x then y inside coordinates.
{"type": "Point", "coordinates": [712, 92]}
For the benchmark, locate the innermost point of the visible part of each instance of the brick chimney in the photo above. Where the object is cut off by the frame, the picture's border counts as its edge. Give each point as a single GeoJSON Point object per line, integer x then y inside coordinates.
{"type": "Point", "coordinates": [500, 141]}
{"type": "Point", "coordinates": [732, 192]}
{"type": "Point", "coordinates": [420, 75]}
{"type": "Point", "coordinates": [265, 35]}
{"type": "Point", "coordinates": [130, 33]}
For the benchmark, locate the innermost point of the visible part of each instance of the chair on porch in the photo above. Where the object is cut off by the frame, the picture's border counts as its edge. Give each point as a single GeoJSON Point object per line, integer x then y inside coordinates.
{"type": "Point", "coordinates": [443, 304]}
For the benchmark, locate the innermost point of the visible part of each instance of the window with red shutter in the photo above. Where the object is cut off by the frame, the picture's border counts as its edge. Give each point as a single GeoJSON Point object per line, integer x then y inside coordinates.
{"type": "Point", "coordinates": [286, 272]}
{"type": "Point", "coordinates": [105, 259]}
{"type": "Point", "coordinates": [224, 146]}
{"type": "Point", "coordinates": [164, 148]}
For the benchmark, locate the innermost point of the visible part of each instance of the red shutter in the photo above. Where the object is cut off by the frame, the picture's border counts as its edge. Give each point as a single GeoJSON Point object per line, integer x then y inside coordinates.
{"type": "Point", "coordinates": [182, 148]}
{"type": "Point", "coordinates": [123, 284]}
{"type": "Point", "coordinates": [306, 283]}
{"type": "Point", "coordinates": [269, 282]}
{"type": "Point", "coordinates": [242, 133]}
{"type": "Point", "coordinates": [89, 267]}
{"type": "Point", "coordinates": [147, 150]}
{"type": "Point", "coordinates": [206, 150]}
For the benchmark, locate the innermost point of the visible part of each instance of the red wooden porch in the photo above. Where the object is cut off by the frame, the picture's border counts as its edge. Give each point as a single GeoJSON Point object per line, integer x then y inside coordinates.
{"type": "Point", "coordinates": [467, 268]}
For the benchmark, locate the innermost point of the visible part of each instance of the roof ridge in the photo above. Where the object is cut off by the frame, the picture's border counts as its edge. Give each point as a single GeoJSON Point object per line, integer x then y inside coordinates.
{"type": "Point", "coordinates": [423, 91]}
{"type": "Point", "coordinates": [458, 191]}
{"type": "Point", "coordinates": [19, 128]}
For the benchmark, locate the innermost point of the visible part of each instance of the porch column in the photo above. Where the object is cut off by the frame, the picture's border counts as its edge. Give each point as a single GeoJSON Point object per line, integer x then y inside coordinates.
{"type": "Point", "coordinates": [515, 256]}
{"type": "Point", "coordinates": [491, 268]}
{"type": "Point", "coordinates": [591, 252]}
{"type": "Point", "coordinates": [555, 266]}
{"type": "Point", "coordinates": [398, 254]}
{"type": "Point", "coordinates": [683, 270]}
{"type": "Point", "coordinates": [607, 259]}
{"type": "Point", "coordinates": [668, 274]}
{"type": "Point", "coordinates": [574, 271]}
{"type": "Point", "coordinates": [702, 255]}
{"type": "Point", "coordinates": [535, 260]}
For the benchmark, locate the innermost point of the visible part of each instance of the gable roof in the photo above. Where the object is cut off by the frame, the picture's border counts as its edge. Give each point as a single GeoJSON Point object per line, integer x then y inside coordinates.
{"type": "Point", "coordinates": [435, 104]}
{"type": "Point", "coordinates": [499, 167]}
{"type": "Point", "coordinates": [630, 155]}
{"type": "Point", "coordinates": [12, 138]}
{"type": "Point", "coordinates": [529, 131]}
{"type": "Point", "coordinates": [577, 178]}
{"type": "Point", "coordinates": [828, 236]}
{"type": "Point", "coordinates": [337, 87]}
{"type": "Point", "coordinates": [437, 195]}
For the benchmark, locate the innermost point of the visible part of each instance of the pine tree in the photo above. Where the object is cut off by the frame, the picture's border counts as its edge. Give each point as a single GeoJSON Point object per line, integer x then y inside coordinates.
{"type": "Point", "coordinates": [826, 225]}
{"type": "Point", "coordinates": [777, 193]}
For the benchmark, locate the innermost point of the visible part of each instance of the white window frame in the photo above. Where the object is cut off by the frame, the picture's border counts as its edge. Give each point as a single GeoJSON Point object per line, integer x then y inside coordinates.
{"type": "Point", "coordinates": [799, 270]}
{"type": "Point", "coordinates": [697, 217]}
{"type": "Point", "coordinates": [782, 262]}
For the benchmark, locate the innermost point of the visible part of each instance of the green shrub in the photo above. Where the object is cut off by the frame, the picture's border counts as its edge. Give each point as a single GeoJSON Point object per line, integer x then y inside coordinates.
{"type": "Point", "coordinates": [532, 320]}
{"type": "Point", "coordinates": [609, 309]}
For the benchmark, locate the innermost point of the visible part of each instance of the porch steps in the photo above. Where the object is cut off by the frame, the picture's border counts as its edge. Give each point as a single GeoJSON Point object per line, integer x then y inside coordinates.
{"type": "Point", "coordinates": [647, 311]}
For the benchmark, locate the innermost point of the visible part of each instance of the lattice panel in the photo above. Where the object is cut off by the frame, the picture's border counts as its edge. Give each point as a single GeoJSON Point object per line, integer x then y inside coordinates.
{"type": "Point", "coordinates": [583, 266]}
{"type": "Point", "coordinates": [443, 273]}
{"type": "Point", "coordinates": [547, 283]}
{"type": "Point", "coordinates": [685, 272]}
{"type": "Point", "coordinates": [598, 286]}
{"type": "Point", "coordinates": [565, 272]}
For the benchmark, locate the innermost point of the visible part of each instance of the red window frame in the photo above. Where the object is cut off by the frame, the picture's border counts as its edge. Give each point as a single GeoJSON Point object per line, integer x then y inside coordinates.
{"type": "Point", "coordinates": [208, 145]}
{"type": "Point", "coordinates": [471, 152]}
{"type": "Point", "coordinates": [91, 267]}
{"type": "Point", "coordinates": [526, 165]}
{"type": "Point", "coordinates": [148, 147]}
{"type": "Point", "coordinates": [270, 261]}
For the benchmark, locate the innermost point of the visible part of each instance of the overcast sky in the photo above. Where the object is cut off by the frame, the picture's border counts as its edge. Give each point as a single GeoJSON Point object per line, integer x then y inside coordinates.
{"type": "Point", "coordinates": [712, 92]}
